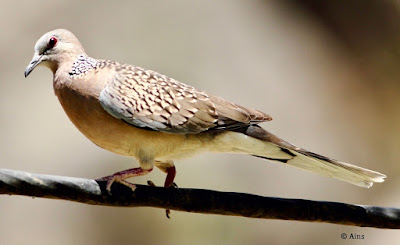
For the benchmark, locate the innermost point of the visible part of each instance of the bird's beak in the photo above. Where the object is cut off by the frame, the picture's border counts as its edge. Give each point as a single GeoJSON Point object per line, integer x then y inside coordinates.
{"type": "Point", "coordinates": [36, 60]}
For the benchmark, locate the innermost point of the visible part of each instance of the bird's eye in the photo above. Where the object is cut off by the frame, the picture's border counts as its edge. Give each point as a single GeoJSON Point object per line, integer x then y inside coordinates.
{"type": "Point", "coordinates": [52, 42]}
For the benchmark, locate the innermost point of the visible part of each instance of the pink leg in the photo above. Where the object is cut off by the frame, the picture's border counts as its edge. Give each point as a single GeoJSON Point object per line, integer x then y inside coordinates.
{"type": "Point", "coordinates": [171, 172]}
{"type": "Point", "coordinates": [122, 175]}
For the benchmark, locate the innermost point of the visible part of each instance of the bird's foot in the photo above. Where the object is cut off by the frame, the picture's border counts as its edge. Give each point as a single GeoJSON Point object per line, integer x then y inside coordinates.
{"type": "Point", "coordinates": [173, 185]}
{"type": "Point", "coordinates": [169, 183]}
{"type": "Point", "coordinates": [167, 211]}
{"type": "Point", "coordinates": [122, 175]}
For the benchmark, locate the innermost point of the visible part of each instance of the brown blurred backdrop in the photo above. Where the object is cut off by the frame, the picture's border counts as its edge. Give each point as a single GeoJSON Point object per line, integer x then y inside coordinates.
{"type": "Point", "coordinates": [326, 71]}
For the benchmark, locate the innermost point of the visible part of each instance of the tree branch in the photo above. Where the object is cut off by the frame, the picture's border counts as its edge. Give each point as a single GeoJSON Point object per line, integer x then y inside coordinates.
{"type": "Point", "coordinates": [196, 200]}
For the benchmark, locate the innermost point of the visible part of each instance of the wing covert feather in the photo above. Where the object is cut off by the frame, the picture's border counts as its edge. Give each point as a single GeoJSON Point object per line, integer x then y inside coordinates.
{"type": "Point", "coordinates": [147, 99]}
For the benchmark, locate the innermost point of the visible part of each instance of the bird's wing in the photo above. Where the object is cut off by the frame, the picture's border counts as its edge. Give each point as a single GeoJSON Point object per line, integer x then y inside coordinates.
{"type": "Point", "coordinates": [147, 99]}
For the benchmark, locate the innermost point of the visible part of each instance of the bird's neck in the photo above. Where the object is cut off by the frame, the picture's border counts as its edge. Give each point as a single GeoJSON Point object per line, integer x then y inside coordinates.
{"type": "Point", "coordinates": [65, 69]}
{"type": "Point", "coordinates": [75, 75]}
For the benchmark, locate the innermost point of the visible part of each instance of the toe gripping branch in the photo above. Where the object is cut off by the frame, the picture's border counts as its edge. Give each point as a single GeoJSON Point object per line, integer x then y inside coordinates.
{"type": "Point", "coordinates": [169, 182]}
{"type": "Point", "coordinates": [122, 175]}
{"type": "Point", "coordinates": [133, 172]}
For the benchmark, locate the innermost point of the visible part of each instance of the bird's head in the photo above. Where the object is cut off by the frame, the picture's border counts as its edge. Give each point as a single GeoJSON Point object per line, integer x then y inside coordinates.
{"type": "Point", "coordinates": [53, 48]}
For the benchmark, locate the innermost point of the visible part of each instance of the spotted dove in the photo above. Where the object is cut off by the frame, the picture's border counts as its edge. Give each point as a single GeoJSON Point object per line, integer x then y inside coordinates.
{"type": "Point", "coordinates": [155, 119]}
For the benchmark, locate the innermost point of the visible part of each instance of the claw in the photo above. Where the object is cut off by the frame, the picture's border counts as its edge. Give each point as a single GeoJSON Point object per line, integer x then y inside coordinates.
{"type": "Point", "coordinates": [151, 183]}
{"type": "Point", "coordinates": [110, 181]}
{"type": "Point", "coordinates": [122, 175]}
{"type": "Point", "coordinates": [173, 185]}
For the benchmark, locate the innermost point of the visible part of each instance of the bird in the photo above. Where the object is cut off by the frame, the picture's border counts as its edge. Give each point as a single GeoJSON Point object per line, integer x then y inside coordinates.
{"type": "Point", "coordinates": [140, 113]}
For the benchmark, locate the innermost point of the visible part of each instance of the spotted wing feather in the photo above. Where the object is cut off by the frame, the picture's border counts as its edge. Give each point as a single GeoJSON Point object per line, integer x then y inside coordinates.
{"type": "Point", "coordinates": [148, 99]}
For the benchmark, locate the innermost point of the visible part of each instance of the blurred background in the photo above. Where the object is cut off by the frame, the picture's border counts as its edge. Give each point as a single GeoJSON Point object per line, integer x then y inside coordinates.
{"type": "Point", "coordinates": [326, 71]}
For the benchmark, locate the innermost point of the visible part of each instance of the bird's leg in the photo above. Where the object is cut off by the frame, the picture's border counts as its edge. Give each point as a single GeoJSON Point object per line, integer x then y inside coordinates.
{"type": "Point", "coordinates": [169, 180]}
{"type": "Point", "coordinates": [168, 168]}
{"type": "Point", "coordinates": [122, 175]}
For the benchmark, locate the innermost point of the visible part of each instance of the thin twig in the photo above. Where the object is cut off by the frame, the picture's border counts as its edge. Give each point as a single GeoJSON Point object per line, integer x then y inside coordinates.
{"type": "Point", "coordinates": [196, 200]}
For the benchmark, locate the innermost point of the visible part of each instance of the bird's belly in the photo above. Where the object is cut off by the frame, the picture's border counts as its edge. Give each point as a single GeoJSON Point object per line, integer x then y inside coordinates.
{"type": "Point", "coordinates": [121, 138]}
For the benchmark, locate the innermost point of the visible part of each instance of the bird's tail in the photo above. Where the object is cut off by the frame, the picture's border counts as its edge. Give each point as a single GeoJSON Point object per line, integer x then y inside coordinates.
{"type": "Point", "coordinates": [276, 149]}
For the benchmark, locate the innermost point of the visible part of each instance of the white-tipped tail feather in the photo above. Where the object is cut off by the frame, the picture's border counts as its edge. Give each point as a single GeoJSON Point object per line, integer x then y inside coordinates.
{"type": "Point", "coordinates": [260, 143]}
{"type": "Point", "coordinates": [331, 168]}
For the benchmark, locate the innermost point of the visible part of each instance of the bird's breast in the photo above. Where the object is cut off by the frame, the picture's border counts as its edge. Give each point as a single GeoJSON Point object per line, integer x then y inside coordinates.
{"type": "Point", "coordinates": [110, 133]}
